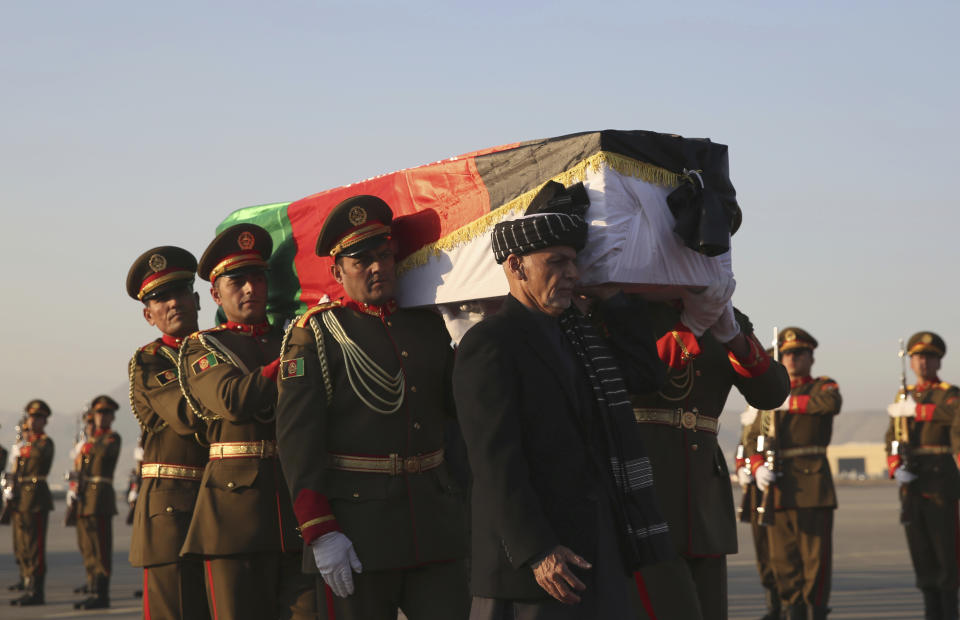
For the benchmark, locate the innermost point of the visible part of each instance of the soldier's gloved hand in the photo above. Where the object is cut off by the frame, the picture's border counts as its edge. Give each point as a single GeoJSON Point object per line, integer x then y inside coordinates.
{"type": "Point", "coordinates": [906, 408]}
{"type": "Point", "coordinates": [903, 476]}
{"type": "Point", "coordinates": [702, 310]}
{"type": "Point", "coordinates": [138, 454]}
{"type": "Point", "coordinates": [744, 477]}
{"type": "Point", "coordinates": [336, 560]}
{"type": "Point", "coordinates": [765, 477]}
{"type": "Point", "coordinates": [133, 495]}
{"type": "Point", "coordinates": [726, 328]}
{"type": "Point", "coordinates": [8, 493]}
{"type": "Point", "coordinates": [786, 404]}
{"type": "Point", "coordinates": [270, 370]}
{"type": "Point", "coordinates": [71, 497]}
{"type": "Point", "coordinates": [14, 452]}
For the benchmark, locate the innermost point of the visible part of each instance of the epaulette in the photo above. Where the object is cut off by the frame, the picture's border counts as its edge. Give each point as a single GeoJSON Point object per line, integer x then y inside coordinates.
{"type": "Point", "coordinates": [151, 348]}
{"type": "Point", "coordinates": [218, 328]}
{"type": "Point", "coordinates": [304, 318]}
{"type": "Point", "coordinates": [911, 387]}
{"type": "Point", "coordinates": [945, 386]}
{"type": "Point", "coordinates": [826, 379]}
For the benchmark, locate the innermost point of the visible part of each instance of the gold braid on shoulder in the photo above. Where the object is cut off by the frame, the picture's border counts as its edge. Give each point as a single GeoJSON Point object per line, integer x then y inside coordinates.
{"type": "Point", "coordinates": [182, 374]}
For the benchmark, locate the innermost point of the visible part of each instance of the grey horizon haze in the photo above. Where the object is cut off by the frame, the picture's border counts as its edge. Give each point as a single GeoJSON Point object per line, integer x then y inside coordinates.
{"type": "Point", "coordinates": [129, 125]}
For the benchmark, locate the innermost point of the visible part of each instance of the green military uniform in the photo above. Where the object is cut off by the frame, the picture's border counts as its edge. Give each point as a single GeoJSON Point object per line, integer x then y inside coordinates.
{"type": "Point", "coordinates": [243, 525]}
{"type": "Point", "coordinates": [31, 508]}
{"type": "Point", "coordinates": [173, 455]}
{"type": "Point", "coordinates": [365, 395]}
{"type": "Point", "coordinates": [97, 505]}
{"type": "Point", "coordinates": [692, 483]}
{"type": "Point", "coordinates": [749, 505]}
{"type": "Point", "coordinates": [931, 442]}
{"type": "Point", "coordinates": [800, 537]}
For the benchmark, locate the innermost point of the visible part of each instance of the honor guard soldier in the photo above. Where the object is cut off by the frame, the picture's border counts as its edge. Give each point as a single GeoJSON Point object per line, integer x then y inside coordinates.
{"type": "Point", "coordinates": [243, 526]}
{"type": "Point", "coordinates": [171, 457]}
{"type": "Point", "coordinates": [708, 348]}
{"type": "Point", "coordinates": [364, 397]}
{"type": "Point", "coordinates": [30, 503]}
{"type": "Point", "coordinates": [800, 536]}
{"type": "Point", "coordinates": [87, 428]}
{"type": "Point", "coordinates": [923, 439]}
{"type": "Point", "coordinates": [97, 500]}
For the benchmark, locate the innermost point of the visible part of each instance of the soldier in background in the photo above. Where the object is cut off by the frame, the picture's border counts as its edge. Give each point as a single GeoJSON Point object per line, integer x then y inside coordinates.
{"type": "Point", "coordinates": [800, 539]}
{"type": "Point", "coordinates": [6, 514]}
{"type": "Point", "coordinates": [708, 348]}
{"type": "Point", "coordinates": [243, 525]}
{"type": "Point", "coordinates": [85, 433]}
{"type": "Point", "coordinates": [97, 500]}
{"type": "Point", "coordinates": [925, 423]}
{"type": "Point", "coordinates": [171, 458]}
{"type": "Point", "coordinates": [31, 502]}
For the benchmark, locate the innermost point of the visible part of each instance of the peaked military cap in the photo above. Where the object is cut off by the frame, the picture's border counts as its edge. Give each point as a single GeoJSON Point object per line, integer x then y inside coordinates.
{"type": "Point", "coordinates": [160, 269]}
{"type": "Point", "coordinates": [103, 402]}
{"type": "Point", "coordinates": [795, 338]}
{"type": "Point", "coordinates": [926, 342]}
{"type": "Point", "coordinates": [37, 407]}
{"type": "Point", "coordinates": [242, 247]}
{"type": "Point", "coordinates": [554, 217]}
{"type": "Point", "coordinates": [357, 224]}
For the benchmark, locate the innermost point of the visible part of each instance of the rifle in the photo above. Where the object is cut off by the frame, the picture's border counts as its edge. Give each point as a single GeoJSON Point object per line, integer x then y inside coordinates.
{"type": "Point", "coordinates": [12, 481]}
{"type": "Point", "coordinates": [744, 510]}
{"type": "Point", "coordinates": [900, 446]}
{"type": "Point", "coordinates": [73, 476]}
{"type": "Point", "coordinates": [767, 446]}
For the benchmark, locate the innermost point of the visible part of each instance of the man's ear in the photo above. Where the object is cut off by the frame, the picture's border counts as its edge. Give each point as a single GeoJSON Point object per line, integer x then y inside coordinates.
{"type": "Point", "coordinates": [214, 293]}
{"type": "Point", "coordinates": [196, 300]}
{"type": "Point", "coordinates": [336, 272]}
{"type": "Point", "coordinates": [515, 267]}
{"type": "Point", "coordinates": [148, 316]}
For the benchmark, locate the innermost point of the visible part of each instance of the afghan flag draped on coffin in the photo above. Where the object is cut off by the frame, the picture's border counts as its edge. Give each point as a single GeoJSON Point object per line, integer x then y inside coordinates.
{"type": "Point", "coordinates": [661, 213]}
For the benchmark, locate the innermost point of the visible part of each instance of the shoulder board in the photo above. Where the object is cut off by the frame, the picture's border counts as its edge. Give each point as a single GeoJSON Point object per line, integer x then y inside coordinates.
{"type": "Point", "coordinates": [911, 387]}
{"type": "Point", "coordinates": [151, 348]}
{"type": "Point", "coordinates": [945, 386]}
{"type": "Point", "coordinates": [826, 379]}
{"type": "Point", "coordinates": [304, 318]}
{"type": "Point", "coordinates": [218, 328]}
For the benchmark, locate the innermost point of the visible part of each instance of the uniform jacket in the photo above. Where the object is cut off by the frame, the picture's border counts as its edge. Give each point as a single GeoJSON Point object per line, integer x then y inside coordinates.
{"type": "Point", "coordinates": [805, 481]}
{"type": "Point", "coordinates": [98, 459]}
{"type": "Point", "coordinates": [394, 521]}
{"type": "Point", "coordinates": [171, 435]}
{"type": "Point", "coordinates": [243, 505]}
{"type": "Point", "coordinates": [35, 460]}
{"type": "Point", "coordinates": [937, 423]}
{"type": "Point", "coordinates": [690, 474]}
{"type": "Point", "coordinates": [536, 476]}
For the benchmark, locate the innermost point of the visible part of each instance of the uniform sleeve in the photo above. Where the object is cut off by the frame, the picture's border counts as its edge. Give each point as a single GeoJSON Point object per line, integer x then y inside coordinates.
{"type": "Point", "coordinates": [630, 338]}
{"type": "Point", "coordinates": [952, 405]}
{"type": "Point", "coordinates": [750, 446]}
{"type": "Point", "coordinates": [893, 460]}
{"type": "Point", "coordinates": [153, 396]}
{"type": "Point", "coordinates": [221, 388]}
{"type": "Point", "coordinates": [46, 457]}
{"type": "Point", "coordinates": [768, 389]}
{"type": "Point", "coordinates": [301, 425]}
{"type": "Point", "coordinates": [486, 384]}
{"type": "Point", "coordinates": [823, 399]}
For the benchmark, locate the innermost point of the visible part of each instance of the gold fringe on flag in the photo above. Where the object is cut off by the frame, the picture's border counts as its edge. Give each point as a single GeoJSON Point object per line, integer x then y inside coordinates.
{"type": "Point", "coordinates": [625, 166]}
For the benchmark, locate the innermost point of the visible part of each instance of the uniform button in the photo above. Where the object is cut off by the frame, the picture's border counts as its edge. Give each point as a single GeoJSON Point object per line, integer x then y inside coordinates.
{"type": "Point", "coordinates": [698, 373]}
{"type": "Point", "coordinates": [413, 388]}
{"type": "Point", "coordinates": [230, 485]}
{"type": "Point", "coordinates": [389, 323]}
{"type": "Point", "coordinates": [356, 494]}
{"type": "Point", "coordinates": [694, 447]}
{"type": "Point", "coordinates": [404, 354]}
{"type": "Point", "coordinates": [416, 425]}
{"type": "Point", "coordinates": [169, 508]}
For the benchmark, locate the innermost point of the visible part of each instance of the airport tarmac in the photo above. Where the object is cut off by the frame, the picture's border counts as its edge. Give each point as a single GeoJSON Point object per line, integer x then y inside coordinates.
{"type": "Point", "coordinates": [872, 576]}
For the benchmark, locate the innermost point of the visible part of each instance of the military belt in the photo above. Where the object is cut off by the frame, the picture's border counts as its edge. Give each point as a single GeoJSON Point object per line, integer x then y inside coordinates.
{"type": "Point", "coordinates": [787, 453]}
{"type": "Point", "coordinates": [393, 464]}
{"type": "Point", "coordinates": [690, 420]}
{"type": "Point", "coordinates": [173, 472]}
{"type": "Point", "coordinates": [31, 479]}
{"type": "Point", "coordinates": [98, 479]}
{"type": "Point", "coordinates": [929, 450]}
{"type": "Point", "coordinates": [264, 449]}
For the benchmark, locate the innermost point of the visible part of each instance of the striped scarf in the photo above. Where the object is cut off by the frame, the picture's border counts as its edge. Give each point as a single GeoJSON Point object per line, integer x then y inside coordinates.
{"type": "Point", "coordinates": [643, 528]}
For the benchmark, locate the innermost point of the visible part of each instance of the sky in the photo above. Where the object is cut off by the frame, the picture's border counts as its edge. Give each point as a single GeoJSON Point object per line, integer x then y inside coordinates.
{"type": "Point", "coordinates": [124, 126]}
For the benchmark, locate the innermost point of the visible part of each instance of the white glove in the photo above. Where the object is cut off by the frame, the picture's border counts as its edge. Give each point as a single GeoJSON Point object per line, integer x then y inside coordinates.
{"type": "Point", "coordinates": [902, 476]}
{"type": "Point", "coordinates": [71, 497]}
{"type": "Point", "coordinates": [701, 310]}
{"type": "Point", "coordinates": [336, 560]}
{"type": "Point", "coordinates": [138, 454]}
{"type": "Point", "coordinates": [786, 404]}
{"type": "Point", "coordinates": [726, 328]}
{"type": "Point", "coordinates": [14, 452]}
{"type": "Point", "coordinates": [132, 495]}
{"type": "Point", "coordinates": [765, 477]}
{"type": "Point", "coordinates": [8, 493]}
{"type": "Point", "coordinates": [906, 408]}
{"type": "Point", "coordinates": [744, 477]}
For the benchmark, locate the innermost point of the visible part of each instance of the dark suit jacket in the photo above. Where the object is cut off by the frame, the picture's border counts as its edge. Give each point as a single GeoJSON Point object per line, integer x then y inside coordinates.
{"type": "Point", "coordinates": [535, 482]}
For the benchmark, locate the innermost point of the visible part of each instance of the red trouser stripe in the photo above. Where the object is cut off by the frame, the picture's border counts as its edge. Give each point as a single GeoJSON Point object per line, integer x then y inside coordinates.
{"type": "Point", "coordinates": [146, 596]}
{"type": "Point", "coordinates": [328, 593]}
{"type": "Point", "coordinates": [644, 595]}
{"type": "Point", "coordinates": [213, 599]}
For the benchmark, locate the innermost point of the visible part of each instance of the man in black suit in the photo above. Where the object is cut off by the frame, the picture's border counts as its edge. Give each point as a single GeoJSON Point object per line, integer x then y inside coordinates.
{"type": "Point", "coordinates": [563, 509]}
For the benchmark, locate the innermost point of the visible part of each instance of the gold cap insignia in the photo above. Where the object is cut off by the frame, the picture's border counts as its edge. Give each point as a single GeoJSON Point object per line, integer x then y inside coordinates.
{"type": "Point", "coordinates": [926, 339]}
{"type": "Point", "coordinates": [789, 336]}
{"type": "Point", "coordinates": [357, 216]}
{"type": "Point", "coordinates": [246, 240]}
{"type": "Point", "coordinates": [157, 262]}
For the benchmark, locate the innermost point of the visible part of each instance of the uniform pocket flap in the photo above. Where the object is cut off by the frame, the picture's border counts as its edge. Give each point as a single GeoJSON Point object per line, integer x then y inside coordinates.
{"type": "Point", "coordinates": [233, 476]}
{"type": "Point", "coordinates": [359, 487]}
{"type": "Point", "coordinates": [807, 464]}
{"type": "Point", "coordinates": [170, 503]}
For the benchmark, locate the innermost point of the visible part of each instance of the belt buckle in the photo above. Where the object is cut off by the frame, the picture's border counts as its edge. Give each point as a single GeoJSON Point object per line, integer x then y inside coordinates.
{"type": "Point", "coordinates": [396, 464]}
{"type": "Point", "coordinates": [688, 420]}
{"type": "Point", "coordinates": [263, 448]}
{"type": "Point", "coordinates": [411, 464]}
